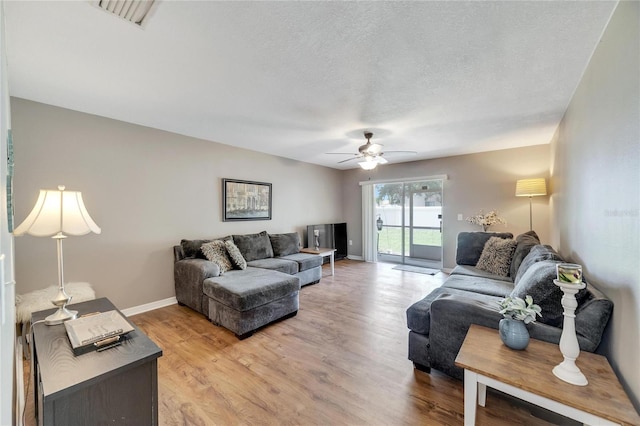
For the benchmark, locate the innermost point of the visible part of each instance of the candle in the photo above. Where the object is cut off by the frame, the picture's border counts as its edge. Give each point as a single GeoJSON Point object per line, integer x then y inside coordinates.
{"type": "Point", "coordinates": [569, 273]}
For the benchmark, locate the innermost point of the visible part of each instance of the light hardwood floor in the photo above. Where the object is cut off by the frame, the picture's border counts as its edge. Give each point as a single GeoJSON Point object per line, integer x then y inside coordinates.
{"type": "Point", "coordinates": [341, 361]}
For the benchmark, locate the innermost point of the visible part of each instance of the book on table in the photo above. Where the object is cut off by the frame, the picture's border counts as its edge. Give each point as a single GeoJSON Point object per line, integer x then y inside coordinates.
{"type": "Point", "coordinates": [97, 331]}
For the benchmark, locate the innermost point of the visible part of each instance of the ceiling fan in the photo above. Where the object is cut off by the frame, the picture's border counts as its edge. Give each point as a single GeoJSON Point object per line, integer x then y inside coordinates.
{"type": "Point", "coordinates": [371, 153]}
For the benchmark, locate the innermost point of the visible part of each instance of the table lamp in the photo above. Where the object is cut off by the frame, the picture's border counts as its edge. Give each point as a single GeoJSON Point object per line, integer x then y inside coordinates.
{"type": "Point", "coordinates": [531, 188]}
{"type": "Point", "coordinates": [58, 213]}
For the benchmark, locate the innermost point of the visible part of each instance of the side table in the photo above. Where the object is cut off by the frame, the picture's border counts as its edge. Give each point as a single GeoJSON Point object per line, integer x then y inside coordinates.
{"type": "Point", "coordinates": [37, 300]}
{"type": "Point", "coordinates": [323, 252]}
{"type": "Point", "coordinates": [116, 386]}
{"type": "Point", "coordinates": [528, 375]}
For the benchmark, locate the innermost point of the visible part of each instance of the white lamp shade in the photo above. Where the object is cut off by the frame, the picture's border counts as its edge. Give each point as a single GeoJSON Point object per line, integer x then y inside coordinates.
{"type": "Point", "coordinates": [58, 211]}
{"type": "Point", "coordinates": [531, 187]}
{"type": "Point", "coordinates": [370, 163]}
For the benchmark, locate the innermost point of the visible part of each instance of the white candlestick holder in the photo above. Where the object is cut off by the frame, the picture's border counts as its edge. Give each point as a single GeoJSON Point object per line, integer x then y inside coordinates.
{"type": "Point", "coordinates": [567, 370]}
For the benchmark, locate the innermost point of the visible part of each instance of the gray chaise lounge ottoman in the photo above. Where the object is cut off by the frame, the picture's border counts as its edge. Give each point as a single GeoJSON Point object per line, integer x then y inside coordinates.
{"type": "Point", "coordinates": [259, 297]}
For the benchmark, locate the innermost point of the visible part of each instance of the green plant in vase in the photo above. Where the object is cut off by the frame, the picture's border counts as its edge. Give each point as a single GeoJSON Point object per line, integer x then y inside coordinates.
{"type": "Point", "coordinates": [517, 313]}
{"type": "Point", "coordinates": [521, 310]}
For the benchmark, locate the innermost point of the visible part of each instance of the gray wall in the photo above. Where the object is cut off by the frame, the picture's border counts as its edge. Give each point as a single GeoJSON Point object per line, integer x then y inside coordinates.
{"type": "Point", "coordinates": [596, 179]}
{"type": "Point", "coordinates": [146, 189]}
{"type": "Point", "coordinates": [477, 181]}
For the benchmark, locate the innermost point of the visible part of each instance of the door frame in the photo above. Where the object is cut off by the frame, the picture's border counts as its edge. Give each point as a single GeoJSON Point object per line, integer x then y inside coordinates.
{"type": "Point", "coordinates": [403, 258]}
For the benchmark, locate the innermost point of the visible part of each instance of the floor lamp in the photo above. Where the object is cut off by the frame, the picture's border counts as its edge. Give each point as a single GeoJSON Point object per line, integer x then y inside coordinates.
{"type": "Point", "coordinates": [531, 188]}
{"type": "Point", "coordinates": [58, 213]}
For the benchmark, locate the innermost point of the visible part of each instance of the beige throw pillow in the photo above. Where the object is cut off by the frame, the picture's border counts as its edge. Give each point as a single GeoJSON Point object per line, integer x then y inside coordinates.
{"type": "Point", "coordinates": [496, 256]}
{"type": "Point", "coordinates": [216, 252]}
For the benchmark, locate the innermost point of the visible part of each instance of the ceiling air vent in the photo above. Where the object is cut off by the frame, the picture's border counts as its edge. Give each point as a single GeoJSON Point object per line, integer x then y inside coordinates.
{"type": "Point", "coordinates": [134, 11]}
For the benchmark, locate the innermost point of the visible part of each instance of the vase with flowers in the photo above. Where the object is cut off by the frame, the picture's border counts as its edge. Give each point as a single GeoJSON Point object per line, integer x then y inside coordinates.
{"type": "Point", "coordinates": [486, 219]}
{"type": "Point", "coordinates": [517, 313]}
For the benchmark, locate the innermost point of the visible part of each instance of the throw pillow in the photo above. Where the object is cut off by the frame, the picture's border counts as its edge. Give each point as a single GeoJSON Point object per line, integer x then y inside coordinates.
{"type": "Point", "coordinates": [525, 242]}
{"type": "Point", "coordinates": [235, 255]}
{"type": "Point", "coordinates": [191, 248]}
{"type": "Point", "coordinates": [216, 252]}
{"type": "Point", "coordinates": [537, 253]}
{"type": "Point", "coordinates": [285, 244]}
{"type": "Point", "coordinates": [496, 256]}
{"type": "Point", "coordinates": [537, 282]}
{"type": "Point", "coordinates": [471, 244]}
{"type": "Point", "coordinates": [254, 246]}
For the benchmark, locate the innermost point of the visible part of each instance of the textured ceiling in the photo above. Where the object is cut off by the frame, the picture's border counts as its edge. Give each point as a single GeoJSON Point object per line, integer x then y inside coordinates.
{"type": "Point", "coordinates": [300, 79]}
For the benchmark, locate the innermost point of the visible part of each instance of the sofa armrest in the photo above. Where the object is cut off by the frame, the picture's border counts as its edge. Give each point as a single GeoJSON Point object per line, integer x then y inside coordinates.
{"type": "Point", "coordinates": [178, 253]}
{"type": "Point", "coordinates": [189, 274]}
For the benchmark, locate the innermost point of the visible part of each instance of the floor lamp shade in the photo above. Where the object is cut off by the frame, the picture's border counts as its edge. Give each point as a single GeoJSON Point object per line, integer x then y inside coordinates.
{"type": "Point", "coordinates": [58, 213]}
{"type": "Point", "coordinates": [531, 188]}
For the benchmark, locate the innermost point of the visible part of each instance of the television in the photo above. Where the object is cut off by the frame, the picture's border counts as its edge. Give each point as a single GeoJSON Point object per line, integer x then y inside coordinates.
{"type": "Point", "coordinates": [331, 235]}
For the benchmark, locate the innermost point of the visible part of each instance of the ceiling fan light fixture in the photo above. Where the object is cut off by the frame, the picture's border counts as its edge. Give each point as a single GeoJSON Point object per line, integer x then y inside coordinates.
{"type": "Point", "coordinates": [368, 165]}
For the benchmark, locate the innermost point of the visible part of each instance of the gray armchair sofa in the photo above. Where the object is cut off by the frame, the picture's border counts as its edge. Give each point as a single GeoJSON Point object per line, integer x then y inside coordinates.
{"type": "Point", "coordinates": [243, 300]}
{"type": "Point", "coordinates": [439, 323]}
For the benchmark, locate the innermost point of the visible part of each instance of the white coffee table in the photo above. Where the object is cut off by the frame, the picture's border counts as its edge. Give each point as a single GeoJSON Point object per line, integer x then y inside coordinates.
{"type": "Point", "coordinates": [322, 252]}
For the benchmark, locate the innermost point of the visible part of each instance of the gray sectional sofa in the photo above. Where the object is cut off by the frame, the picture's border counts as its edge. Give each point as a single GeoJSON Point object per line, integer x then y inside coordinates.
{"type": "Point", "coordinates": [243, 300]}
{"type": "Point", "coordinates": [438, 323]}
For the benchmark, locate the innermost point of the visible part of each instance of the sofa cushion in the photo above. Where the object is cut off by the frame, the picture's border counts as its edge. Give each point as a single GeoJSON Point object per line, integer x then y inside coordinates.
{"type": "Point", "coordinates": [479, 285]}
{"type": "Point", "coordinates": [419, 314]}
{"type": "Point", "coordinates": [216, 252]}
{"type": "Point", "coordinates": [496, 256]}
{"type": "Point", "coordinates": [305, 261]}
{"type": "Point", "coordinates": [191, 248]}
{"type": "Point", "coordinates": [471, 244]}
{"type": "Point", "coordinates": [537, 253]}
{"type": "Point", "coordinates": [248, 289]}
{"type": "Point", "coordinates": [525, 242]}
{"type": "Point", "coordinates": [254, 246]}
{"type": "Point", "coordinates": [285, 244]}
{"type": "Point", "coordinates": [276, 264]}
{"type": "Point", "coordinates": [475, 272]}
{"type": "Point", "coordinates": [537, 282]}
{"type": "Point", "coordinates": [235, 255]}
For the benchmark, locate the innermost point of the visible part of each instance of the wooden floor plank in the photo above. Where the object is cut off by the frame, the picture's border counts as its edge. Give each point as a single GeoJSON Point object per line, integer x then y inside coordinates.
{"type": "Point", "coordinates": [341, 361]}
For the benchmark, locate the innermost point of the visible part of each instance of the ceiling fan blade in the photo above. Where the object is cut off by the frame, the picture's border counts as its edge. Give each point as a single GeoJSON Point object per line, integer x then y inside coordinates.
{"type": "Point", "coordinates": [349, 159]}
{"type": "Point", "coordinates": [341, 153]}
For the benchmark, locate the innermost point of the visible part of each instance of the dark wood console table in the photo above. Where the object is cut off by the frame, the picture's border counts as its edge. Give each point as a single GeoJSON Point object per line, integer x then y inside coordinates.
{"type": "Point", "coordinates": [115, 386]}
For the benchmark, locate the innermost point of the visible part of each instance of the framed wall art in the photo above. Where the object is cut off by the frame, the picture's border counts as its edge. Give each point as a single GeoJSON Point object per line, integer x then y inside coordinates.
{"type": "Point", "coordinates": [245, 200]}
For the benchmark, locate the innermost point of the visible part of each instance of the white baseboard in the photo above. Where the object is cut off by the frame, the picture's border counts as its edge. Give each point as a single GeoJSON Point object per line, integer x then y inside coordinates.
{"type": "Point", "coordinates": [20, 402]}
{"type": "Point", "coordinates": [354, 257]}
{"type": "Point", "coordinates": [447, 270]}
{"type": "Point", "coordinates": [135, 310]}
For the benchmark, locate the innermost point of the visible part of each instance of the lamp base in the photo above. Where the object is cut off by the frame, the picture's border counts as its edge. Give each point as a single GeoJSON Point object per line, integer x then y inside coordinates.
{"type": "Point", "coordinates": [60, 316]}
{"type": "Point", "coordinates": [570, 373]}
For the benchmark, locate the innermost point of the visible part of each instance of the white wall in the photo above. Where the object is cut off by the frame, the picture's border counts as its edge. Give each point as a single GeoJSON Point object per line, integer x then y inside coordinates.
{"type": "Point", "coordinates": [596, 185]}
{"type": "Point", "coordinates": [477, 181]}
{"type": "Point", "coordinates": [146, 189]}
{"type": "Point", "coordinates": [7, 284]}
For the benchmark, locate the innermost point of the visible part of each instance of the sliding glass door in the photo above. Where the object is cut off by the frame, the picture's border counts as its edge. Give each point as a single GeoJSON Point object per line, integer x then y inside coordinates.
{"type": "Point", "coordinates": [409, 222]}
